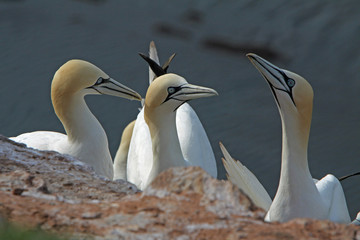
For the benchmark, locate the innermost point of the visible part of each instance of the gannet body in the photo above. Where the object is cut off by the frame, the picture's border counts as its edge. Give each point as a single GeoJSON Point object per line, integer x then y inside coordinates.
{"type": "Point", "coordinates": [120, 161]}
{"type": "Point", "coordinates": [298, 195]}
{"type": "Point", "coordinates": [189, 130]}
{"type": "Point", "coordinates": [157, 122]}
{"type": "Point", "coordinates": [85, 139]}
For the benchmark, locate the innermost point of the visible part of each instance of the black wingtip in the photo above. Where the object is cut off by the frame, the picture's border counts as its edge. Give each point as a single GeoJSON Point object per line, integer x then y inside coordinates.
{"type": "Point", "coordinates": [158, 70]}
{"type": "Point", "coordinates": [347, 176]}
{"type": "Point", "coordinates": [167, 64]}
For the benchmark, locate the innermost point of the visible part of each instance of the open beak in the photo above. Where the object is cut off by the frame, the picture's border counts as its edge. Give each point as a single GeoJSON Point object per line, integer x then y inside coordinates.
{"type": "Point", "coordinates": [114, 88]}
{"type": "Point", "coordinates": [189, 92]}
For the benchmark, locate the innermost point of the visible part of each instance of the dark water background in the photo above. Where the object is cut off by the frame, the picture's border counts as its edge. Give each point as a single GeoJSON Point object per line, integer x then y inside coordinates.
{"type": "Point", "coordinates": [317, 39]}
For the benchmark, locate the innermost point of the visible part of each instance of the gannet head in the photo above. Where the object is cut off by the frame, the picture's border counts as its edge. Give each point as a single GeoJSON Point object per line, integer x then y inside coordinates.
{"type": "Point", "coordinates": [81, 77]}
{"type": "Point", "coordinates": [293, 94]}
{"type": "Point", "coordinates": [170, 91]}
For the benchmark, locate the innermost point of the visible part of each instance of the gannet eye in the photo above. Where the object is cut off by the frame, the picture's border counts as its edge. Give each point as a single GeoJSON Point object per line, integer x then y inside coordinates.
{"type": "Point", "coordinates": [171, 90]}
{"type": "Point", "coordinates": [99, 81]}
{"type": "Point", "coordinates": [290, 82]}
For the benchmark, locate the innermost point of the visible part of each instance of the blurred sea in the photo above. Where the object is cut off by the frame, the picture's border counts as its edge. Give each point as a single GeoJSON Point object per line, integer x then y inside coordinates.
{"type": "Point", "coordinates": [316, 39]}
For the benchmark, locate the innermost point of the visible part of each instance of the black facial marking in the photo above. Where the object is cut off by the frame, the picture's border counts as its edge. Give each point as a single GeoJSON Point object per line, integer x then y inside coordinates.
{"type": "Point", "coordinates": [273, 92]}
{"type": "Point", "coordinates": [289, 82]}
{"type": "Point", "coordinates": [99, 81]}
{"type": "Point", "coordinates": [171, 92]}
{"type": "Point", "coordinates": [95, 89]}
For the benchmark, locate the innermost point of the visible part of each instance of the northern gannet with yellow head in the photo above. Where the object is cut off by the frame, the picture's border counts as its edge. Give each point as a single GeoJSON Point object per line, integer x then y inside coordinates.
{"type": "Point", "coordinates": [164, 96]}
{"type": "Point", "coordinates": [298, 196]}
{"type": "Point", "coordinates": [189, 130]}
{"type": "Point", "coordinates": [85, 138]}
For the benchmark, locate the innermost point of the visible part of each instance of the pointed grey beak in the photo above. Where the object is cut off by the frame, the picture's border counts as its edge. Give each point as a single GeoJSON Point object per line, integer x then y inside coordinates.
{"type": "Point", "coordinates": [114, 88]}
{"type": "Point", "coordinates": [273, 75]}
{"type": "Point", "coordinates": [189, 92]}
{"type": "Point", "coordinates": [276, 77]}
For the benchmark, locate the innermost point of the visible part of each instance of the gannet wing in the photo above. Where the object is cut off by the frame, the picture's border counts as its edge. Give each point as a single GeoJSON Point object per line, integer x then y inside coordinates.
{"type": "Point", "coordinates": [41, 140]}
{"type": "Point", "coordinates": [193, 139]}
{"type": "Point", "coordinates": [120, 160]}
{"type": "Point", "coordinates": [154, 56]}
{"type": "Point", "coordinates": [140, 156]}
{"type": "Point", "coordinates": [244, 179]}
{"type": "Point", "coordinates": [333, 197]}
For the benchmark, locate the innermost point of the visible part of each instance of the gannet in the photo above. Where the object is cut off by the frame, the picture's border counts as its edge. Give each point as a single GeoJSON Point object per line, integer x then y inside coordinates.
{"type": "Point", "coordinates": [189, 130]}
{"type": "Point", "coordinates": [164, 96]}
{"type": "Point", "coordinates": [120, 160]}
{"type": "Point", "coordinates": [85, 139]}
{"type": "Point", "coordinates": [298, 194]}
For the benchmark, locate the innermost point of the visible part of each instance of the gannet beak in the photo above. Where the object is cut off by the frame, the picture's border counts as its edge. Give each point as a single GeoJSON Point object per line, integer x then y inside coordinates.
{"type": "Point", "coordinates": [188, 92]}
{"type": "Point", "coordinates": [274, 75]}
{"type": "Point", "coordinates": [111, 87]}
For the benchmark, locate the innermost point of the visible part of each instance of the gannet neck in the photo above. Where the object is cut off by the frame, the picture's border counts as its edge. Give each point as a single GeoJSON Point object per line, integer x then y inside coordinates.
{"type": "Point", "coordinates": [86, 139]}
{"type": "Point", "coordinates": [78, 121]}
{"type": "Point", "coordinates": [294, 160]}
{"type": "Point", "coordinates": [165, 142]}
{"type": "Point", "coordinates": [294, 143]}
{"type": "Point", "coordinates": [71, 82]}
{"type": "Point", "coordinates": [297, 195]}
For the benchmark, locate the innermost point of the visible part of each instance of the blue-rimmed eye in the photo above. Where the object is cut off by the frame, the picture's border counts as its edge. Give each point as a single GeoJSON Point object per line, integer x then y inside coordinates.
{"type": "Point", "coordinates": [171, 90]}
{"type": "Point", "coordinates": [290, 82]}
{"type": "Point", "coordinates": [99, 81]}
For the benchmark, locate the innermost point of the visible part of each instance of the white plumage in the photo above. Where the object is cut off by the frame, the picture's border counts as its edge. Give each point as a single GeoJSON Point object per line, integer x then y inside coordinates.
{"type": "Point", "coordinates": [85, 139]}
{"type": "Point", "coordinates": [245, 180]}
{"type": "Point", "coordinates": [298, 194]}
{"type": "Point", "coordinates": [194, 143]}
{"type": "Point", "coordinates": [184, 128]}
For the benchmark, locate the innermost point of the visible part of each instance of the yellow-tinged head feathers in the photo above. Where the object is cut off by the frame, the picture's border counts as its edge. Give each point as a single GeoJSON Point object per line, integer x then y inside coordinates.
{"type": "Point", "coordinates": [74, 76]}
{"type": "Point", "coordinates": [171, 90]}
{"type": "Point", "coordinates": [157, 92]}
{"type": "Point", "coordinates": [293, 94]}
{"type": "Point", "coordinates": [302, 93]}
{"type": "Point", "coordinates": [290, 90]}
{"type": "Point", "coordinates": [77, 78]}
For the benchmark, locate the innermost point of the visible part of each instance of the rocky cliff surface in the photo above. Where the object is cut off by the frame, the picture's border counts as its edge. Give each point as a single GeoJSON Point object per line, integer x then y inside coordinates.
{"type": "Point", "coordinates": [59, 194]}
